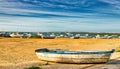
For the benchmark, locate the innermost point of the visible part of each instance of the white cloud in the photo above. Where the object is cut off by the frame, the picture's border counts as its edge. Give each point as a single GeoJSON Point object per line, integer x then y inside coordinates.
{"type": "Point", "coordinates": [13, 4]}
{"type": "Point", "coordinates": [111, 1]}
{"type": "Point", "coordinates": [112, 4]}
{"type": "Point", "coordinates": [58, 24]}
{"type": "Point", "coordinates": [28, 12]}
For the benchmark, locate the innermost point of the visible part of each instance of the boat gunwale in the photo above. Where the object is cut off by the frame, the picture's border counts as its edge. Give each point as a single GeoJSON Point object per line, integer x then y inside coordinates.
{"type": "Point", "coordinates": [76, 52]}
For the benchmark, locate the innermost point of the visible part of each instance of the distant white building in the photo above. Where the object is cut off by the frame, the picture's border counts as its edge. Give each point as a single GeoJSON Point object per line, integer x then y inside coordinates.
{"type": "Point", "coordinates": [52, 35]}
{"type": "Point", "coordinates": [77, 35]}
{"type": "Point", "coordinates": [29, 35]}
{"type": "Point", "coordinates": [86, 35]}
{"type": "Point", "coordinates": [105, 36]}
{"type": "Point", "coordinates": [97, 36]}
{"type": "Point", "coordinates": [118, 36]}
{"type": "Point", "coordinates": [115, 36]}
{"type": "Point", "coordinates": [40, 34]}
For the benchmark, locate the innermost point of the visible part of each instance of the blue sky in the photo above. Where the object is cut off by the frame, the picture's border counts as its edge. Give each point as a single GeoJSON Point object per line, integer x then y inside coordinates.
{"type": "Point", "coordinates": [60, 15]}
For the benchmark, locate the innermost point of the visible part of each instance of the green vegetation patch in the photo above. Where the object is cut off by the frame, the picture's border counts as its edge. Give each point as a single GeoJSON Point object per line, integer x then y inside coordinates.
{"type": "Point", "coordinates": [118, 49]}
{"type": "Point", "coordinates": [34, 67]}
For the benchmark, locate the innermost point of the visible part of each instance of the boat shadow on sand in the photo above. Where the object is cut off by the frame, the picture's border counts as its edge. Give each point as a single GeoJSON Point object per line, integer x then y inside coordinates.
{"type": "Point", "coordinates": [111, 64]}
{"type": "Point", "coordinates": [114, 61]}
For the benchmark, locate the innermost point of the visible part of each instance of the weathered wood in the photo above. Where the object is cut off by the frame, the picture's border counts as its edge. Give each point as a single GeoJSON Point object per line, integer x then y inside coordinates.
{"type": "Point", "coordinates": [77, 57]}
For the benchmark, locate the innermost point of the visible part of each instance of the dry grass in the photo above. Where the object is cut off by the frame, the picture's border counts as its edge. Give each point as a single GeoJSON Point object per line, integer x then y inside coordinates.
{"type": "Point", "coordinates": [20, 52]}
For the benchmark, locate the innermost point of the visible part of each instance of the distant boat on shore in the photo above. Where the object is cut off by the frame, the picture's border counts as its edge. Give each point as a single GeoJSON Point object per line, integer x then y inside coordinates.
{"type": "Point", "coordinates": [48, 37]}
{"type": "Point", "coordinates": [65, 56]}
{"type": "Point", "coordinates": [77, 36]}
{"type": "Point", "coordinates": [15, 35]}
{"type": "Point", "coordinates": [74, 37]}
{"type": "Point", "coordinates": [52, 36]}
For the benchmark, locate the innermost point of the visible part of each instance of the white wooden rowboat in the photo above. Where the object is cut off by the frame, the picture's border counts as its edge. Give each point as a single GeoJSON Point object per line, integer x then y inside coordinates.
{"type": "Point", "coordinates": [63, 56]}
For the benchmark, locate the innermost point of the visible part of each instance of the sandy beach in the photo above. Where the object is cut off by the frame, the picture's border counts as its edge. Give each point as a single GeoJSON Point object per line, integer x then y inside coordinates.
{"type": "Point", "coordinates": [18, 53]}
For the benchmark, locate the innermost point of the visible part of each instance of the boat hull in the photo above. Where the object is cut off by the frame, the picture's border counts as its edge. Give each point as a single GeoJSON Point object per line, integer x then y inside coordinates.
{"type": "Point", "coordinates": [74, 58]}
{"type": "Point", "coordinates": [48, 37]}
